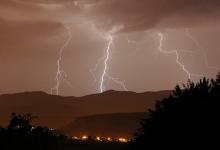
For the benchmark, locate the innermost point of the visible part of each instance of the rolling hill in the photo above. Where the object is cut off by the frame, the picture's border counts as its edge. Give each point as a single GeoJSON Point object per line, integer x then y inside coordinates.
{"type": "Point", "coordinates": [58, 111]}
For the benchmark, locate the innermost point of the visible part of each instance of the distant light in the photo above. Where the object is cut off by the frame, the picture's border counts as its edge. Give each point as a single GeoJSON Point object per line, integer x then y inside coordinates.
{"type": "Point", "coordinates": [123, 140]}
{"type": "Point", "coordinates": [75, 138]}
{"type": "Point", "coordinates": [84, 137]}
{"type": "Point", "coordinates": [98, 138]}
{"type": "Point", "coordinates": [32, 128]}
{"type": "Point", "coordinates": [109, 139]}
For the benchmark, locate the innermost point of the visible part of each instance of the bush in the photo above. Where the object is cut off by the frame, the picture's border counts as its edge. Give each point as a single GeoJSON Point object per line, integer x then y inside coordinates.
{"type": "Point", "coordinates": [20, 134]}
{"type": "Point", "coordinates": [188, 119]}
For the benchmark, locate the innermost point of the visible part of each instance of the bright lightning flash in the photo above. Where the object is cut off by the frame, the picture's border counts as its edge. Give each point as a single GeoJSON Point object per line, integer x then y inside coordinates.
{"type": "Point", "coordinates": [110, 39]}
{"type": "Point", "coordinates": [61, 74]}
{"type": "Point", "coordinates": [189, 74]}
{"type": "Point", "coordinates": [105, 74]}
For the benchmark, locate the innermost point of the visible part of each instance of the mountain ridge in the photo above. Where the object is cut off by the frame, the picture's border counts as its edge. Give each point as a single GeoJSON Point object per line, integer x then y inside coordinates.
{"type": "Point", "coordinates": [57, 111]}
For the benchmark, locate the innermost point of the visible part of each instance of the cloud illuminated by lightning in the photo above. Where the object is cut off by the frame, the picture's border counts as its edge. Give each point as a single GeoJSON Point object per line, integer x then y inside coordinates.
{"type": "Point", "coordinates": [161, 40]}
{"type": "Point", "coordinates": [61, 74]}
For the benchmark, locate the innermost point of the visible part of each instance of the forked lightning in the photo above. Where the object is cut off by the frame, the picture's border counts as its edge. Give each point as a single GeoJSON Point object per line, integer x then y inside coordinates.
{"type": "Point", "coordinates": [161, 40]}
{"type": "Point", "coordinates": [60, 73]}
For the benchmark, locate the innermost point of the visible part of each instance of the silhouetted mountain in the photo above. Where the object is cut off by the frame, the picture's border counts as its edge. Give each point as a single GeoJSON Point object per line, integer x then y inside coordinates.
{"type": "Point", "coordinates": [106, 125]}
{"type": "Point", "coordinates": [57, 111]}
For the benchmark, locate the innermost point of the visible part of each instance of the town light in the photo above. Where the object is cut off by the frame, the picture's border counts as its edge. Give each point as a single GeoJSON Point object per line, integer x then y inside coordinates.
{"type": "Point", "coordinates": [123, 140]}
{"type": "Point", "coordinates": [84, 137]}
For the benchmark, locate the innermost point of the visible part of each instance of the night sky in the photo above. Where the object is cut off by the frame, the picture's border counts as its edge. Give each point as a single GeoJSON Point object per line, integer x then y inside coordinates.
{"type": "Point", "coordinates": [155, 44]}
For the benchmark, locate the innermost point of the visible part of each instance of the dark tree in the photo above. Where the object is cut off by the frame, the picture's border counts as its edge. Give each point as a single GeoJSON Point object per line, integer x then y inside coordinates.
{"type": "Point", "coordinates": [188, 119]}
{"type": "Point", "coordinates": [20, 122]}
{"type": "Point", "coordinates": [21, 134]}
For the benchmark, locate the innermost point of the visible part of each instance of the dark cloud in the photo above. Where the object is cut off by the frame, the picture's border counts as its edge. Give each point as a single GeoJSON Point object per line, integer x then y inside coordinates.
{"type": "Point", "coordinates": [45, 1]}
{"type": "Point", "coordinates": [61, 11]}
{"type": "Point", "coordinates": [21, 39]}
{"type": "Point", "coordinates": [144, 14]}
{"type": "Point", "coordinates": [32, 32]}
{"type": "Point", "coordinates": [132, 14]}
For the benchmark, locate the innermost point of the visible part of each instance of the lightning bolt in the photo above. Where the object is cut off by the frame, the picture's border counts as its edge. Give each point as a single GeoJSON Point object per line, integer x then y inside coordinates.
{"type": "Point", "coordinates": [93, 70]}
{"type": "Point", "coordinates": [202, 50]}
{"type": "Point", "coordinates": [189, 74]}
{"type": "Point", "coordinates": [60, 73]}
{"type": "Point", "coordinates": [110, 39]}
{"type": "Point", "coordinates": [105, 74]}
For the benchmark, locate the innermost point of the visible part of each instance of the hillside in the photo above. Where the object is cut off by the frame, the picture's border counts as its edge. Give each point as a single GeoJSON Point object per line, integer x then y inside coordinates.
{"type": "Point", "coordinates": [105, 125]}
{"type": "Point", "coordinates": [57, 111]}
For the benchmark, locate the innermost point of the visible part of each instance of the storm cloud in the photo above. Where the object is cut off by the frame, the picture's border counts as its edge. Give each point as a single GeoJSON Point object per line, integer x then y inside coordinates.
{"type": "Point", "coordinates": [33, 31]}
{"type": "Point", "coordinates": [137, 15]}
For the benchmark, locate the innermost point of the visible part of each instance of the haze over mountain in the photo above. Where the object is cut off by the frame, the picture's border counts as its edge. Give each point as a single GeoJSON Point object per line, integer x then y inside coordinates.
{"type": "Point", "coordinates": [105, 125]}
{"type": "Point", "coordinates": [58, 111]}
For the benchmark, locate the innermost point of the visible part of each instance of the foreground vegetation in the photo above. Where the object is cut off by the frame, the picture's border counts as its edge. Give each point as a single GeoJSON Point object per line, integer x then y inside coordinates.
{"type": "Point", "coordinates": [188, 119]}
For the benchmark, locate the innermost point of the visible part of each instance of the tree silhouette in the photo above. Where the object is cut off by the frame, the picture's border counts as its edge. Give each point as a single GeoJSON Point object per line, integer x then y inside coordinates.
{"type": "Point", "coordinates": [188, 119]}
{"type": "Point", "coordinates": [20, 122]}
{"type": "Point", "coordinates": [21, 134]}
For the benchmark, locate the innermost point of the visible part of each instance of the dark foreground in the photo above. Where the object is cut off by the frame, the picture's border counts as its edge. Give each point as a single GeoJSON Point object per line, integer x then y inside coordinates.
{"type": "Point", "coordinates": [97, 146]}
